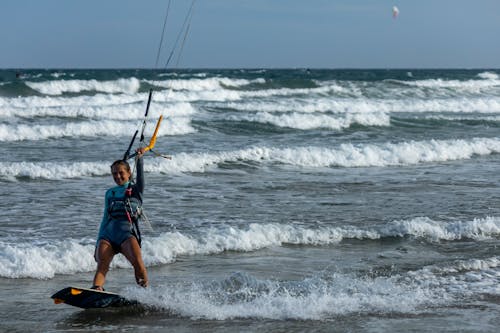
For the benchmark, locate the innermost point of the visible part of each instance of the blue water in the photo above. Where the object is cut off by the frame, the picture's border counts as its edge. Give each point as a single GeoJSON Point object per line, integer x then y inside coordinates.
{"type": "Point", "coordinates": [293, 200]}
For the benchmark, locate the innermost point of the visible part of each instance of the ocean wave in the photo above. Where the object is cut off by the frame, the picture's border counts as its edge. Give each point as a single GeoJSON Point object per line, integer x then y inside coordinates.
{"type": "Point", "coordinates": [311, 121]}
{"type": "Point", "coordinates": [175, 74]}
{"type": "Point", "coordinates": [103, 99]}
{"type": "Point", "coordinates": [347, 105]}
{"type": "Point", "coordinates": [321, 296]}
{"type": "Point", "coordinates": [130, 111]}
{"type": "Point", "coordinates": [318, 296]}
{"type": "Point", "coordinates": [61, 74]}
{"type": "Point", "coordinates": [345, 156]}
{"type": "Point", "coordinates": [52, 170]}
{"type": "Point", "coordinates": [489, 76]}
{"type": "Point", "coordinates": [469, 266]}
{"type": "Point", "coordinates": [211, 83]}
{"type": "Point", "coordinates": [214, 90]}
{"type": "Point", "coordinates": [92, 128]}
{"type": "Point", "coordinates": [485, 80]}
{"type": "Point", "coordinates": [242, 295]}
{"type": "Point", "coordinates": [362, 111]}
{"type": "Point", "coordinates": [59, 87]}
{"type": "Point", "coordinates": [425, 228]}
{"type": "Point", "coordinates": [27, 260]}
{"type": "Point", "coordinates": [465, 117]}
{"type": "Point", "coordinates": [284, 100]}
{"type": "Point", "coordinates": [99, 100]}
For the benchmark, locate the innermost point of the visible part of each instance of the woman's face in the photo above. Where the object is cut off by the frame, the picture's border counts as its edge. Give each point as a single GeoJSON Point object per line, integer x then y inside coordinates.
{"type": "Point", "coordinates": [120, 174]}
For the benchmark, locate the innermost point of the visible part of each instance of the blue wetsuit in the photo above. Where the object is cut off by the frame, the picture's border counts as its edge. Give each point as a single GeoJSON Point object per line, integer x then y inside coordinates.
{"type": "Point", "coordinates": [116, 227]}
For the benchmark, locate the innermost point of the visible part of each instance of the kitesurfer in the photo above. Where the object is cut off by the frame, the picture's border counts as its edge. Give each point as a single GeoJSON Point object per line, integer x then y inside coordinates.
{"type": "Point", "coordinates": [119, 230]}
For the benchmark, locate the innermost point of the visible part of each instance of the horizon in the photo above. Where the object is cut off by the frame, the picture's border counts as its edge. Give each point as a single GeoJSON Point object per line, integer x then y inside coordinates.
{"type": "Point", "coordinates": [246, 68]}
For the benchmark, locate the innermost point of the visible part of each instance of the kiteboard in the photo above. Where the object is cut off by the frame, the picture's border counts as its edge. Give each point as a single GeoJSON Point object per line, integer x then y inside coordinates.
{"type": "Point", "coordinates": [90, 298]}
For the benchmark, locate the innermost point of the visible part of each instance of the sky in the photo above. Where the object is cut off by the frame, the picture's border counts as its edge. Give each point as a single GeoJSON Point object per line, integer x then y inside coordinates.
{"type": "Point", "coordinates": [251, 34]}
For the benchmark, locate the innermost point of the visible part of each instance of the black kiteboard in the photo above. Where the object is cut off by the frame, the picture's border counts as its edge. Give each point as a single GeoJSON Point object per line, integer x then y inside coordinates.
{"type": "Point", "coordinates": [90, 298]}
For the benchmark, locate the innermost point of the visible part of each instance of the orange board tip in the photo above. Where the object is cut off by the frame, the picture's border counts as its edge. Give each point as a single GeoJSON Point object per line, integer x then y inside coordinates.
{"type": "Point", "coordinates": [75, 292]}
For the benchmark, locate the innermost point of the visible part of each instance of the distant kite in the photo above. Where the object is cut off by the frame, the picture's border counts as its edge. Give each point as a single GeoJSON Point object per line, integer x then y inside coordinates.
{"type": "Point", "coordinates": [395, 12]}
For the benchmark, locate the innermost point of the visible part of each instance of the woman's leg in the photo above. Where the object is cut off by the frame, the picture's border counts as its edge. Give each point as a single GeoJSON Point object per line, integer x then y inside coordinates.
{"type": "Point", "coordinates": [132, 251]}
{"type": "Point", "coordinates": [103, 255]}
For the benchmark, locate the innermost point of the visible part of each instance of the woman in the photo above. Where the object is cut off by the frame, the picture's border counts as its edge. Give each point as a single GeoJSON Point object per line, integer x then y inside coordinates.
{"type": "Point", "coordinates": [119, 232]}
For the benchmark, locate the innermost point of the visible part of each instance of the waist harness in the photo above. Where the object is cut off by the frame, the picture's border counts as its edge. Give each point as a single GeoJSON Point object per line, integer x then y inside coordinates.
{"type": "Point", "coordinates": [127, 208]}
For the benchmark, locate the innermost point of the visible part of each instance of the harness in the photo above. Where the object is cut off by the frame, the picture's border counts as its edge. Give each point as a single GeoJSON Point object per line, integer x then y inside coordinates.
{"type": "Point", "coordinates": [127, 208]}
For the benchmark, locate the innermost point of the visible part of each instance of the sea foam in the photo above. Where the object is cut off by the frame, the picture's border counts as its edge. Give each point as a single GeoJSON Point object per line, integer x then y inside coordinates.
{"type": "Point", "coordinates": [365, 105]}
{"type": "Point", "coordinates": [59, 87]}
{"type": "Point", "coordinates": [181, 126]}
{"type": "Point", "coordinates": [315, 298]}
{"type": "Point", "coordinates": [344, 156]}
{"type": "Point", "coordinates": [310, 121]}
{"type": "Point", "coordinates": [25, 259]}
{"type": "Point", "coordinates": [131, 111]}
{"type": "Point", "coordinates": [212, 83]}
{"type": "Point", "coordinates": [323, 295]}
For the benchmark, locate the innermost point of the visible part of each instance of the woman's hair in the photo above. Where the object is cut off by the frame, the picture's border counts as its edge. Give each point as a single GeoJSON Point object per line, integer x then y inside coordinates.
{"type": "Point", "coordinates": [121, 162]}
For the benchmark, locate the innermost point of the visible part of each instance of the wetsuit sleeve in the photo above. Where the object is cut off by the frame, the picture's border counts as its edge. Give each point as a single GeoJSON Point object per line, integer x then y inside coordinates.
{"type": "Point", "coordinates": [139, 183]}
{"type": "Point", "coordinates": [105, 213]}
{"type": "Point", "coordinates": [104, 218]}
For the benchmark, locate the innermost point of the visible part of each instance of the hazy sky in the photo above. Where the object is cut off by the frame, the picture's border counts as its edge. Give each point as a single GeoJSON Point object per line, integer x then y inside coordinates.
{"type": "Point", "coordinates": [252, 33]}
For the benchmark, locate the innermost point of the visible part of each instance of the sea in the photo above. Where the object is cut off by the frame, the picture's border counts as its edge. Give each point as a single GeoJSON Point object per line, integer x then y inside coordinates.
{"type": "Point", "coordinates": [277, 200]}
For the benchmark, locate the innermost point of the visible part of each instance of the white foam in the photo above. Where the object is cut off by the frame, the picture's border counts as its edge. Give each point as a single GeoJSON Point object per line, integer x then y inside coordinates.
{"type": "Point", "coordinates": [216, 89]}
{"type": "Point", "coordinates": [20, 259]}
{"type": "Point", "coordinates": [486, 80]}
{"type": "Point", "coordinates": [58, 74]}
{"type": "Point", "coordinates": [59, 87]}
{"type": "Point", "coordinates": [59, 101]}
{"type": "Point", "coordinates": [25, 260]}
{"type": "Point", "coordinates": [133, 111]}
{"type": "Point", "coordinates": [52, 170]}
{"type": "Point", "coordinates": [365, 105]}
{"type": "Point", "coordinates": [345, 155]}
{"type": "Point", "coordinates": [316, 298]}
{"type": "Point", "coordinates": [212, 83]}
{"type": "Point", "coordinates": [311, 121]}
{"type": "Point", "coordinates": [462, 277]}
{"type": "Point", "coordinates": [489, 76]}
{"type": "Point", "coordinates": [102, 128]}
{"type": "Point", "coordinates": [168, 246]}
{"type": "Point", "coordinates": [324, 295]}
{"type": "Point", "coordinates": [461, 266]}
{"type": "Point", "coordinates": [470, 117]}
{"type": "Point", "coordinates": [218, 95]}
{"type": "Point", "coordinates": [423, 227]}
{"type": "Point", "coordinates": [174, 74]}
